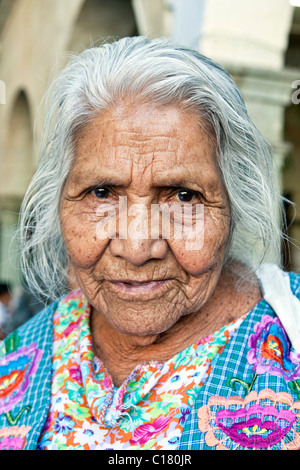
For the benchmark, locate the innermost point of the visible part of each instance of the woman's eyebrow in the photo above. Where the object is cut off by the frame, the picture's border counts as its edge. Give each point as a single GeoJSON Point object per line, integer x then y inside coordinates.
{"type": "Point", "coordinates": [176, 182]}
{"type": "Point", "coordinates": [164, 182]}
{"type": "Point", "coordinates": [169, 183]}
{"type": "Point", "coordinates": [98, 181]}
{"type": "Point", "coordinates": [109, 182]}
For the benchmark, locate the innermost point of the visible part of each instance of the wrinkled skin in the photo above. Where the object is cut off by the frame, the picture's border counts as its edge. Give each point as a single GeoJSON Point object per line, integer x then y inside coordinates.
{"type": "Point", "coordinates": [145, 150]}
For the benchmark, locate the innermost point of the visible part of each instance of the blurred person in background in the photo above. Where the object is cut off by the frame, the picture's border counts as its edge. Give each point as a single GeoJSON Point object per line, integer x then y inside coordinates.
{"type": "Point", "coordinates": [23, 306]}
{"type": "Point", "coordinates": [5, 310]}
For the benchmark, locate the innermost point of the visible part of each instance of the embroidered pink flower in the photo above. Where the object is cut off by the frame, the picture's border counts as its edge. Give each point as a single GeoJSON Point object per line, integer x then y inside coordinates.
{"type": "Point", "coordinates": [16, 368]}
{"type": "Point", "coordinates": [14, 437]}
{"type": "Point", "coordinates": [143, 433]}
{"type": "Point", "coordinates": [260, 421]}
{"type": "Point", "coordinates": [270, 350]}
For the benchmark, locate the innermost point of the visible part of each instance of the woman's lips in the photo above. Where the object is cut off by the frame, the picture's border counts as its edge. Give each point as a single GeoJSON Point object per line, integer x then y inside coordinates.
{"type": "Point", "coordinates": [134, 289]}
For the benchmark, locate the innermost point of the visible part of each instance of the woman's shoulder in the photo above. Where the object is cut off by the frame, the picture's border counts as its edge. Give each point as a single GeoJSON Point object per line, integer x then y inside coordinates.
{"type": "Point", "coordinates": [274, 274]}
{"type": "Point", "coordinates": [295, 283]}
{"type": "Point", "coordinates": [39, 328]}
{"type": "Point", "coordinates": [25, 368]}
{"type": "Point", "coordinates": [36, 330]}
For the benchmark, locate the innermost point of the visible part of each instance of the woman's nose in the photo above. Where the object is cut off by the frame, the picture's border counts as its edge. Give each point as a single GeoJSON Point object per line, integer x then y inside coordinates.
{"type": "Point", "coordinates": [136, 242]}
{"type": "Point", "coordinates": [138, 251]}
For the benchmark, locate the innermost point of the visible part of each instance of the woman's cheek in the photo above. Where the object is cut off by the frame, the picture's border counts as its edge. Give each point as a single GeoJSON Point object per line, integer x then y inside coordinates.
{"type": "Point", "coordinates": [83, 246]}
{"type": "Point", "coordinates": [192, 261]}
{"type": "Point", "coordinates": [196, 257]}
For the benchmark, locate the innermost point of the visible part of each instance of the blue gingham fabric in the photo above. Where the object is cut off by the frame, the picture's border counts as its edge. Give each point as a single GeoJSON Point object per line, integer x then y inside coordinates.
{"type": "Point", "coordinates": [232, 363]}
{"type": "Point", "coordinates": [35, 401]}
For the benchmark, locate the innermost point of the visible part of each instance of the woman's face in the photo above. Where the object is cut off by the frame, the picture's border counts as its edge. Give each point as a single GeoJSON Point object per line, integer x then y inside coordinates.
{"type": "Point", "coordinates": [129, 160]}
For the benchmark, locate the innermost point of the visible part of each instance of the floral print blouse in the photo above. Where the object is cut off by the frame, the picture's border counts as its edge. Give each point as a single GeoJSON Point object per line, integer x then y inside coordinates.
{"type": "Point", "coordinates": [150, 408]}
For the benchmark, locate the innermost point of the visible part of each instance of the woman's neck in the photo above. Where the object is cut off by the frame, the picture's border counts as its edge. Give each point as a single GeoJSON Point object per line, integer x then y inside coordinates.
{"type": "Point", "coordinates": [121, 353]}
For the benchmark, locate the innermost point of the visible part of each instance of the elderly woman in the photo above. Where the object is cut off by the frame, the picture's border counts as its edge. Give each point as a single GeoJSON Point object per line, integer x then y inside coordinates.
{"type": "Point", "coordinates": [165, 341]}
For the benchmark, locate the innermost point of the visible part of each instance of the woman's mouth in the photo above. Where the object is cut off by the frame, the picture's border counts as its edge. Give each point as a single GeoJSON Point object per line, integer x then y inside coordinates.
{"type": "Point", "coordinates": [135, 289]}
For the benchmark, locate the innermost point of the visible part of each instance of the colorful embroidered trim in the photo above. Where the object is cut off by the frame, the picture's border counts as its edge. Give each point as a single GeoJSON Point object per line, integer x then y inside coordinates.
{"type": "Point", "coordinates": [271, 351]}
{"type": "Point", "coordinates": [13, 438]}
{"type": "Point", "coordinates": [260, 421]}
{"type": "Point", "coordinates": [15, 371]}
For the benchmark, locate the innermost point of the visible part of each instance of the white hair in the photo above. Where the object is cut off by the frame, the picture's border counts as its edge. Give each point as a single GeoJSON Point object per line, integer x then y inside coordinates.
{"type": "Point", "coordinates": [166, 74]}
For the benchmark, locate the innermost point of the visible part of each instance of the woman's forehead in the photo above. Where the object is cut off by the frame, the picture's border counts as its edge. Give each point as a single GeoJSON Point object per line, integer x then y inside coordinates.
{"type": "Point", "coordinates": [145, 139]}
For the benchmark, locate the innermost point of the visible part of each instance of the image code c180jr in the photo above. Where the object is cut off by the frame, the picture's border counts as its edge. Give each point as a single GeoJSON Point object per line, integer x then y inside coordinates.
{"type": "Point", "coordinates": [171, 459]}
{"type": "Point", "coordinates": [156, 459]}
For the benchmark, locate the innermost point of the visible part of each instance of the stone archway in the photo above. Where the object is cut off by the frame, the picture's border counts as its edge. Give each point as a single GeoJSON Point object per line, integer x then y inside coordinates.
{"type": "Point", "coordinates": [16, 172]}
{"type": "Point", "coordinates": [101, 21]}
{"type": "Point", "coordinates": [17, 168]}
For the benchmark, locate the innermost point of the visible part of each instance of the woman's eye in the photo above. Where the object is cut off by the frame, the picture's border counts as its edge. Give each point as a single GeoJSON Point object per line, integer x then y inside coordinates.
{"type": "Point", "coordinates": [101, 193]}
{"type": "Point", "coordinates": [185, 195]}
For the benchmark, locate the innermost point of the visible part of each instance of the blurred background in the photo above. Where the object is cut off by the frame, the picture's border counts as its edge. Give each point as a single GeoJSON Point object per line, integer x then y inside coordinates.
{"type": "Point", "coordinates": [257, 41]}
